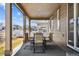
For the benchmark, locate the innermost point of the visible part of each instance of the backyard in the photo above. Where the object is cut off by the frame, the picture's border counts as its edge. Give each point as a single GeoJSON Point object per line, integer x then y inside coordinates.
{"type": "Point", "coordinates": [15, 43]}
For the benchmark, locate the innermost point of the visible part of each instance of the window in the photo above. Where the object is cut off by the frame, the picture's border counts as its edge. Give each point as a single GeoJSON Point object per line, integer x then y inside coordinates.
{"type": "Point", "coordinates": [77, 43]}
{"type": "Point", "coordinates": [39, 25]}
{"type": "Point", "coordinates": [70, 24]}
{"type": "Point", "coordinates": [17, 26]}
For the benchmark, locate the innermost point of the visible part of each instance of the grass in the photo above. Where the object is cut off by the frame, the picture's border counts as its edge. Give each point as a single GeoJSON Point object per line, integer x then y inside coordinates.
{"type": "Point", "coordinates": [2, 45]}
{"type": "Point", "coordinates": [15, 43]}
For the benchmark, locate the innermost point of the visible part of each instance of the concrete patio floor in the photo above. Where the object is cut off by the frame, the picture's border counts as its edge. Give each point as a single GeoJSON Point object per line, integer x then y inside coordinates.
{"type": "Point", "coordinates": [51, 50]}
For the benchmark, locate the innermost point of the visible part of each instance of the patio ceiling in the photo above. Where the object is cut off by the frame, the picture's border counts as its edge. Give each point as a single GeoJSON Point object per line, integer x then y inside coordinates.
{"type": "Point", "coordinates": [39, 10]}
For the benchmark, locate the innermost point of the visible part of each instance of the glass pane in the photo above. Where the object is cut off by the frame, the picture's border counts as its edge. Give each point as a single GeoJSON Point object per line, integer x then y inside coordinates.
{"type": "Point", "coordinates": [71, 25]}
{"type": "Point", "coordinates": [17, 26]}
{"type": "Point", "coordinates": [2, 28]}
{"type": "Point", "coordinates": [39, 26]}
{"type": "Point", "coordinates": [78, 28]}
{"type": "Point", "coordinates": [78, 33]}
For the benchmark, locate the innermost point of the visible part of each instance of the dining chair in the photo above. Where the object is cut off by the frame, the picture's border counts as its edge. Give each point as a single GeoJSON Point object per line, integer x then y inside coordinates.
{"type": "Point", "coordinates": [38, 41]}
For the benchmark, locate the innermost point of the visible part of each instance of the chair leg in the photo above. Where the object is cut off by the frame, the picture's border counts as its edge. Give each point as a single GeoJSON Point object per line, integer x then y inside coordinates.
{"type": "Point", "coordinates": [45, 45]}
{"type": "Point", "coordinates": [33, 48]}
{"type": "Point", "coordinates": [43, 48]}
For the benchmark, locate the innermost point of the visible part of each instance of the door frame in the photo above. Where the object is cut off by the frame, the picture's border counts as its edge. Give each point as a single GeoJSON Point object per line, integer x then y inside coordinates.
{"type": "Point", "coordinates": [75, 28]}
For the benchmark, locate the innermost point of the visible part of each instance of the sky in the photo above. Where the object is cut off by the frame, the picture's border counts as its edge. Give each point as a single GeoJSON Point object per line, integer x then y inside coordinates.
{"type": "Point", "coordinates": [17, 16]}
{"type": "Point", "coordinates": [2, 12]}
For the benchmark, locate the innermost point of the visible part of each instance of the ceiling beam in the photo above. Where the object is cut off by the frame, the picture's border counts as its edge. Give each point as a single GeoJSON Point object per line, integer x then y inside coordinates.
{"type": "Point", "coordinates": [41, 18]}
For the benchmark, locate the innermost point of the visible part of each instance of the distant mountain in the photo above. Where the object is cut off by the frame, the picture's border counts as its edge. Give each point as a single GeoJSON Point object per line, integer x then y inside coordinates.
{"type": "Point", "coordinates": [16, 27]}
{"type": "Point", "coordinates": [17, 31]}
{"type": "Point", "coordinates": [2, 27]}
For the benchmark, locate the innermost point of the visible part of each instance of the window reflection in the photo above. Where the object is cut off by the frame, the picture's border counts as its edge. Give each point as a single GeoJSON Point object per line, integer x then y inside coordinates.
{"type": "Point", "coordinates": [70, 24]}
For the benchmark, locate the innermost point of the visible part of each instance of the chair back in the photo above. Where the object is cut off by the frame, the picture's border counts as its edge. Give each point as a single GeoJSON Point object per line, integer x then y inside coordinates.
{"type": "Point", "coordinates": [38, 37]}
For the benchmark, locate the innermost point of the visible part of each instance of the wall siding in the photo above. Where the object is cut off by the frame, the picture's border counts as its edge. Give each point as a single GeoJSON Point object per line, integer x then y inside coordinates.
{"type": "Point", "coordinates": [60, 36]}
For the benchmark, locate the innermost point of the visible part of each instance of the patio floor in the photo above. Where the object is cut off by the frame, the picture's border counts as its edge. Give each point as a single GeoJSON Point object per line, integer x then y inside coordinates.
{"type": "Point", "coordinates": [52, 50]}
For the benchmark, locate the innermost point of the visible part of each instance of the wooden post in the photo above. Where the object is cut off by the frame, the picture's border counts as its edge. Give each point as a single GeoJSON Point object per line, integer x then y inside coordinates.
{"type": "Point", "coordinates": [29, 27]}
{"type": "Point", "coordinates": [24, 29]}
{"type": "Point", "coordinates": [8, 29]}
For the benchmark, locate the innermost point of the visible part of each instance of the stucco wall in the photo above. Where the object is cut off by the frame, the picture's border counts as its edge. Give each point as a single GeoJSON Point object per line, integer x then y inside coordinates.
{"type": "Point", "coordinates": [60, 36]}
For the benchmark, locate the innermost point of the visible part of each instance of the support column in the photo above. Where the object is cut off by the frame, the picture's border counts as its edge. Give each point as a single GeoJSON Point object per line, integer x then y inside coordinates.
{"type": "Point", "coordinates": [50, 25]}
{"type": "Point", "coordinates": [75, 23]}
{"type": "Point", "coordinates": [50, 35]}
{"type": "Point", "coordinates": [8, 29]}
{"type": "Point", "coordinates": [29, 27]}
{"type": "Point", "coordinates": [25, 35]}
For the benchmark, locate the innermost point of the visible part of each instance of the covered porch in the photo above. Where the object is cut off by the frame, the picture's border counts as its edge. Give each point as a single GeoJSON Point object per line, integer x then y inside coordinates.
{"type": "Point", "coordinates": [57, 15]}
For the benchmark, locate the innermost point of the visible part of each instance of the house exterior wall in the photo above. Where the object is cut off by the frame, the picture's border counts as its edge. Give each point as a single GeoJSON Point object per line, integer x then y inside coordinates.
{"type": "Point", "coordinates": [60, 35]}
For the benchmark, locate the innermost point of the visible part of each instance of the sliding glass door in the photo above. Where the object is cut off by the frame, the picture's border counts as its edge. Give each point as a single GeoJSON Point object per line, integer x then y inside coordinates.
{"type": "Point", "coordinates": [73, 26]}
{"type": "Point", "coordinates": [70, 25]}
{"type": "Point", "coordinates": [71, 32]}
{"type": "Point", "coordinates": [77, 40]}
